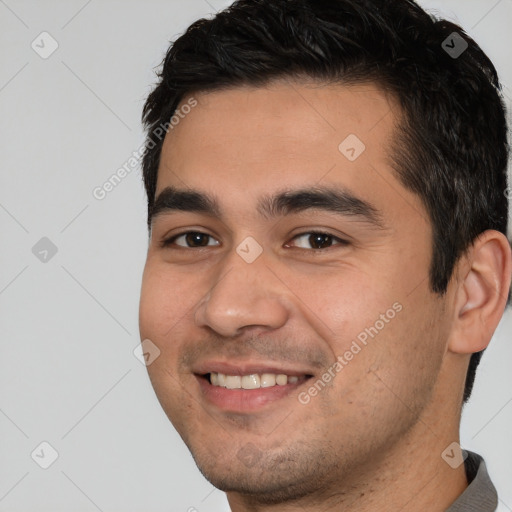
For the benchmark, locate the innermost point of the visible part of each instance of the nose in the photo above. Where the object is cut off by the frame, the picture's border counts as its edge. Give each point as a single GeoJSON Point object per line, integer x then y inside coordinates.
{"type": "Point", "coordinates": [245, 295]}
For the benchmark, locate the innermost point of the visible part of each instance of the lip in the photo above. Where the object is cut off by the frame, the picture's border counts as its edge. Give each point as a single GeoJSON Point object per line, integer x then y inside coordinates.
{"type": "Point", "coordinates": [246, 400]}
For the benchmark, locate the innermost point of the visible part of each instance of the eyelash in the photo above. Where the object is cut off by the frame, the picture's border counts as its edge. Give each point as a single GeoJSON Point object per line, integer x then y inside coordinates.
{"type": "Point", "coordinates": [168, 242]}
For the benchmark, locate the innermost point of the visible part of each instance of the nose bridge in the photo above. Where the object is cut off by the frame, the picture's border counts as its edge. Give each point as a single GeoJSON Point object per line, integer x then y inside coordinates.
{"type": "Point", "coordinates": [247, 294]}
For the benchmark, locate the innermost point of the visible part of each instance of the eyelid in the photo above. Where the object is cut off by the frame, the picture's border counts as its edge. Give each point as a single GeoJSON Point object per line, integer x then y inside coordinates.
{"type": "Point", "coordinates": [168, 241]}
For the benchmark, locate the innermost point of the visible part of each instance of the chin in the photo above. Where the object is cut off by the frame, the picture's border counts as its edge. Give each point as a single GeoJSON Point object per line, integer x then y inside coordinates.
{"type": "Point", "coordinates": [270, 480]}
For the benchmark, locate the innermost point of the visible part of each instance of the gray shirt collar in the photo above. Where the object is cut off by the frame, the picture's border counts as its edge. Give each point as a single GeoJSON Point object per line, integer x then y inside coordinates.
{"type": "Point", "coordinates": [480, 495]}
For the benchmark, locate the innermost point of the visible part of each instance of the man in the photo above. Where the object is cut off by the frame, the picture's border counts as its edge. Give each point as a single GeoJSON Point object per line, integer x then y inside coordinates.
{"type": "Point", "coordinates": [328, 254]}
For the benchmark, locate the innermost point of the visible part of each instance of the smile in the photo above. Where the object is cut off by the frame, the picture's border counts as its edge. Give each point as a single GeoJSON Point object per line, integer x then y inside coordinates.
{"type": "Point", "coordinates": [254, 380]}
{"type": "Point", "coordinates": [232, 388]}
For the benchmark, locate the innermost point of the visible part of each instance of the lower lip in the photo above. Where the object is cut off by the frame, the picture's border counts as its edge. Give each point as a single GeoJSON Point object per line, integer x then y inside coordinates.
{"type": "Point", "coordinates": [244, 400]}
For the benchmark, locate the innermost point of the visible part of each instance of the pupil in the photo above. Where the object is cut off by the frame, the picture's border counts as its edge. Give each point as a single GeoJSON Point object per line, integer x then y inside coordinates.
{"type": "Point", "coordinates": [197, 239]}
{"type": "Point", "coordinates": [319, 240]}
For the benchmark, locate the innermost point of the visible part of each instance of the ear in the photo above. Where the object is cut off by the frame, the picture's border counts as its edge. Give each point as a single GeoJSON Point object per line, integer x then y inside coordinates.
{"type": "Point", "coordinates": [484, 275]}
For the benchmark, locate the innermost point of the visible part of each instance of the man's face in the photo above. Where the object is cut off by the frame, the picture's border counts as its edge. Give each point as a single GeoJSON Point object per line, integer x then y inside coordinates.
{"type": "Point", "coordinates": [331, 291]}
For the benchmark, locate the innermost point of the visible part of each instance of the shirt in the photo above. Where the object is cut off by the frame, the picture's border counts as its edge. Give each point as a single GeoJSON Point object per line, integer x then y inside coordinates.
{"type": "Point", "coordinates": [480, 495]}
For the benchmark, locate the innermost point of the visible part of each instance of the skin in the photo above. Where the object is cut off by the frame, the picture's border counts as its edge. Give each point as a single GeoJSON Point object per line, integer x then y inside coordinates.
{"type": "Point", "coordinates": [372, 438]}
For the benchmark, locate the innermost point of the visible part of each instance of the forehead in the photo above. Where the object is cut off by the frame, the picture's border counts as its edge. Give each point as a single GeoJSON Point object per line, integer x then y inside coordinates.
{"type": "Point", "coordinates": [252, 140]}
{"type": "Point", "coordinates": [283, 117]}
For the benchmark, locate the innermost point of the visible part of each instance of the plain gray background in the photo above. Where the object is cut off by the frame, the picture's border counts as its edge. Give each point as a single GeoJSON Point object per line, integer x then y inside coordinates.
{"type": "Point", "coordinates": [69, 323]}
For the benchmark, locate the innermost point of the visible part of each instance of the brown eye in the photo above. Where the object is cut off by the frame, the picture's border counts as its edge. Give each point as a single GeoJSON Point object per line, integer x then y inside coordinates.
{"type": "Point", "coordinates": [196, 239]}
{"type": "Point", "coordinates": [191, 240]}
{"type": "Point", "coordinates": [320, 241]}
{"type": "Point", "coordinates": [317, 240]}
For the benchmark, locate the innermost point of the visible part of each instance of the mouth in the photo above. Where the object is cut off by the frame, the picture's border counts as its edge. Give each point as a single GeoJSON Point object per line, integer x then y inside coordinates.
{"type": "Point", "coordinates": [248, 392]}
{"type": "Point", "coordinates": [254, 380]}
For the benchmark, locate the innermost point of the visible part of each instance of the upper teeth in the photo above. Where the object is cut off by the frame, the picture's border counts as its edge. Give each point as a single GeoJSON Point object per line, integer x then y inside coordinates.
{"type": "Point", "coordinates": [253, 381]}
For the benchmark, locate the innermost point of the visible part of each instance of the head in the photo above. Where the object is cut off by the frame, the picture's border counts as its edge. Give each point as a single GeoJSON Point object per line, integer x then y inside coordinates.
{"type": "Point", "coordinates": [351, 119]}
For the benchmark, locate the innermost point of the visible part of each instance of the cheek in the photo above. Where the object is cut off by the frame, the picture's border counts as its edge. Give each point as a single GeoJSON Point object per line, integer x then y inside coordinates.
{"type": "Point", "coordinates": [377, 325]}
{"type": "Point", "coordinates": [348, 302]}
{"type": "Point", "coordinates": [162, 317]}
{"type": "Point", "coordinates": [164, 300]}
{"type": "Point", "coordinates": [388, 380]}
{"type": "Point", "coordinates": [404, 359]}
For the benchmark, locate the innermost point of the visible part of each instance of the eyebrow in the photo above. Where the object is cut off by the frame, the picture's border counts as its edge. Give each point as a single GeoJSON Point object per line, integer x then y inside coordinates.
{"type": "Point", "coordinates": [329, 198]}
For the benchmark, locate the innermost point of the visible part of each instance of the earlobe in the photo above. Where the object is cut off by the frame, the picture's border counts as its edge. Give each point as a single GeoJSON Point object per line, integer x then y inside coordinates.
{"type": "Point", "coordinates": [482, 292]}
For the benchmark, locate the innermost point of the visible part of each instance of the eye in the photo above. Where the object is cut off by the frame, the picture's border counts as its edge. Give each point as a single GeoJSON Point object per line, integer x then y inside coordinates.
{"type": "Point", "coordinates": [191, 240]}
{"type": "Point", "coordinates": [317, 240]}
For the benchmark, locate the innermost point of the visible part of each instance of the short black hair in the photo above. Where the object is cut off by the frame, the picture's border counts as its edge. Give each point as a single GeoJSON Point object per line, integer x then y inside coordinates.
{"type": "Point", "coordinates": [451, 147]}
